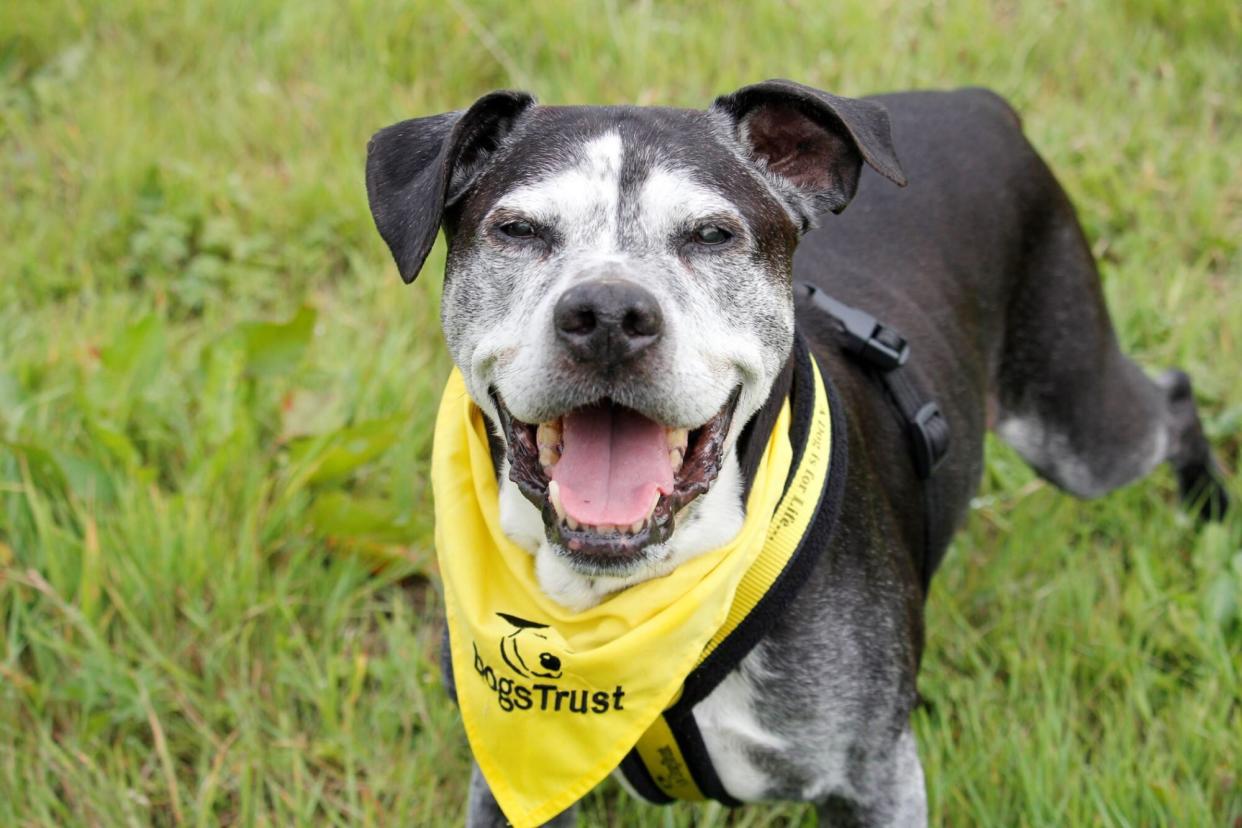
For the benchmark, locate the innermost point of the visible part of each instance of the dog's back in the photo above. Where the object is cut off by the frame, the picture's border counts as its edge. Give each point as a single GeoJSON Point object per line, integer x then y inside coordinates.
{"type": "Point", "coordinates": [981, 263]}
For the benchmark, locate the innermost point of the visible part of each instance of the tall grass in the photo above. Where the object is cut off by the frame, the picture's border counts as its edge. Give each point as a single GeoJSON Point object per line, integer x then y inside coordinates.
{"type": "Point", "coordinates": [217, 588]}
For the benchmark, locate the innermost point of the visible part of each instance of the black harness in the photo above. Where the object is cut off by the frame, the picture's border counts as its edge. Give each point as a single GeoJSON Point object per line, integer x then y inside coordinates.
{"type": "Point", "coordinates": [704, 678]}
{"type": "Point", "coordinates": [883, 352]}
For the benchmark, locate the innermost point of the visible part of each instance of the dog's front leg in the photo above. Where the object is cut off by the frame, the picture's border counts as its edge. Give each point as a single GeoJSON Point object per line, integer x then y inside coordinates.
{"type": "Point", "coordinates": [483, 812]}
{"type": "Point", "coordinates": [894, 796]}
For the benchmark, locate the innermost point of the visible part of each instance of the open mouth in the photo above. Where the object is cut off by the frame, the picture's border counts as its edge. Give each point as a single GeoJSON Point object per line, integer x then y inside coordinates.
{"type": "Point", "coordinates": [610, 481]}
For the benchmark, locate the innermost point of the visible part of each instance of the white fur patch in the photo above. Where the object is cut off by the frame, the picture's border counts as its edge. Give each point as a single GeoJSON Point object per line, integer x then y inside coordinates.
{"type": "Point", "coordinates": [910, 789]}
{"type": "Point", "coordinates": [1052, 454]}
{"type": "Point", "coordinates": [731, 728]}
{"type": "Point", "coordinates": [671, 199]}
{"type": "Point", "coordinates": [581, 202]}
{"type": "Point", "coordinates": [519, 519]}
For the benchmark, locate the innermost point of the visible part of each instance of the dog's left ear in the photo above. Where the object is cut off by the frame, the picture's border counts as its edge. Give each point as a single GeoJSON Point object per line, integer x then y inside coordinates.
{"type": "Point", "coordinates": [417, 167]}
{"type": "Point", "coordinates": [815, 141]}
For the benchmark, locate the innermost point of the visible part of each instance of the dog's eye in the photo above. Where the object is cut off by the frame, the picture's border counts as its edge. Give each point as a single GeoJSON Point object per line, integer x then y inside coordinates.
{"type": "Point", "coordinates": [711, 235]}
{"type": "Point", "coordinates": [518, 230]}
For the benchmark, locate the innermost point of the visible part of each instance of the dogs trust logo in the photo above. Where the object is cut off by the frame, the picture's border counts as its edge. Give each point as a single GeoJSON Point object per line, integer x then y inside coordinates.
{"type": "Point", "coordinates": [528, 652]}
{"type": "Point", "coordinates": [528, 632]}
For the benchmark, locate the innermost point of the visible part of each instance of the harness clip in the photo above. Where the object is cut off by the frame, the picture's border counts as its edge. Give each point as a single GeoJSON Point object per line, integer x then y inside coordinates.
{"type": "Point", "coordinates": [879, 346]}
{"type": "Point", "coordinates": [929, 431]}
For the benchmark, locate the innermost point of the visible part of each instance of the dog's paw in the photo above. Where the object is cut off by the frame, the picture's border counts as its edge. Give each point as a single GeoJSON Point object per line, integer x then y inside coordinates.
{"type": "Point", "coordinates": [1203, 492]}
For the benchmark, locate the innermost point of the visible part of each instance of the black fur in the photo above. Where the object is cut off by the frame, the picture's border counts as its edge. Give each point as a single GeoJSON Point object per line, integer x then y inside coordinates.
{"type": "Point", "coordinates": [417, 167]}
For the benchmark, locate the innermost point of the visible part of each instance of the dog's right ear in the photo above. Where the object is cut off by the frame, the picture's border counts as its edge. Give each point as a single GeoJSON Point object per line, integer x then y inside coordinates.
{"type": "Point", "coordinates": [418, 167]}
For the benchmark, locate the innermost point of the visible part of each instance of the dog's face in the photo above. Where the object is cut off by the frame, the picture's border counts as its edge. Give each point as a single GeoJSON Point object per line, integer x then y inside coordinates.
{"type": "Point", "coordinates": [618, 291]}
{"type": "Point", "coordinates": [618, 286]}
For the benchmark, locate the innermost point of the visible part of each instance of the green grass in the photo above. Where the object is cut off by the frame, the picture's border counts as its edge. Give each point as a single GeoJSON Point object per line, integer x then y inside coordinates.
{"type": "Point", "coordinates": [216, 577]}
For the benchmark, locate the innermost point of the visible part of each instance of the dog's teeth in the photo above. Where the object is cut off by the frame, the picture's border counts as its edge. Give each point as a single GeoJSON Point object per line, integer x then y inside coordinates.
{"type": "Point", "coordinates": [637, 526]}
{"type": "Point", "coordinates": [655, 498]}
{"type": "Point", "coordinates": [678, 437]}
{"type": "Point", "coordinates": [549, 435]}
{"type": "Point", "coordinates": [548, 438]}
{"type": "Point", "coordinates": [606, 528]}
{"type": "Point", "coordinates": [554, 496]}
{"type": "Point", "coordinates": [674, 458]}
{"type": "Point", "coordinates": [571, 523]}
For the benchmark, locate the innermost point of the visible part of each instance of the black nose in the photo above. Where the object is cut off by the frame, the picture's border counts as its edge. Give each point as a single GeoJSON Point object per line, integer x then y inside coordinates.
{"type": "Point", "coordinates": [549, 662]}
{"type": "Point", "coordinates": [607, 321]}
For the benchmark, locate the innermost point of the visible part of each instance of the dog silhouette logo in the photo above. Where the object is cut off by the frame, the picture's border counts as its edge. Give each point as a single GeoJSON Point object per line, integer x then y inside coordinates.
{"type": "Point", "coordinates": [525, 649]}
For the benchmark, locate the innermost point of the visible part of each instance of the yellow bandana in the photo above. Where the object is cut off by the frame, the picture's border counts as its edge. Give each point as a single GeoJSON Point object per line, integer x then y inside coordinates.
{"type": "Point", "coordinates": [552, 700]}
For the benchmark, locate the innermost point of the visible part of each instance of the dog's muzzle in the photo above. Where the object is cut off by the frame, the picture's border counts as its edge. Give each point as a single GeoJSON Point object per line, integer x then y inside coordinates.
{"type": "Point", "coordinates": [610, 480]}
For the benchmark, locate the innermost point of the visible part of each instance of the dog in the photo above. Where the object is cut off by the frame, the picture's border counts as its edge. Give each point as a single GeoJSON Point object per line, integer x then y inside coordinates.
{"type": "Point", "coordinates": [634, 269]}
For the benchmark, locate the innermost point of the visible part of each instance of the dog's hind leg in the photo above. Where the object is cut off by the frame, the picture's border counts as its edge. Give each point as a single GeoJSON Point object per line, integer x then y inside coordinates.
{"type": "Point", "coordinates": [1073, 405]}
{"type": "Point", "coordinates": [1198, 476]}
{"type": "Point", "coordinates": [482, 811]}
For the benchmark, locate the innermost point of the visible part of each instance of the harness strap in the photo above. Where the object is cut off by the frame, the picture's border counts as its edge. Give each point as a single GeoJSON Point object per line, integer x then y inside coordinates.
{"type": "Point", "coordinates": [671, 760]}
{"type": "Point", "coordinates": [884, 352]}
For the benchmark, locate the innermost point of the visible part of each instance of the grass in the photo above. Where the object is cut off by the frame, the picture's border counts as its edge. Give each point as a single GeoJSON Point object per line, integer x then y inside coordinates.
{"type": "Point", "coordinates": [216, 579]}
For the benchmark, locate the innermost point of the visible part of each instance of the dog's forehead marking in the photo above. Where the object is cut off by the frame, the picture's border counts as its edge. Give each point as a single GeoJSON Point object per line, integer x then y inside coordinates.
{"type": "Point", "coordinates": [602, 156]}
{"type": "Point", "coordinates": [610, 189]}
{"type": "Point", "coordinates": [580, 199]}
{"type": "Point", "coordinates": [672, 197]}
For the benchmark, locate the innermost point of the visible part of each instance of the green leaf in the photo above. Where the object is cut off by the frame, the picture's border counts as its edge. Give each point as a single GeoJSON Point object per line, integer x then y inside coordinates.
{"type": "Point", "coordinates": [347, 449]}
{"type": "Point", "coordinates": [338, 515]}
{"type": "Point", "coordinates": [10, 395]}
{"type": "Point", "coordinates": [129, 364]}
{"type": "Point", "coordinates": [137, 353]}
{"type": "Point", "coordinates": [86, 478]}
{"type": "Point", "coordinates": [221, 400]}
{"type": "Point", "coordinates": [59, 473]}
{"type": "Point", "coordinates": [45, 471]}
{"type": "Point", "coordinates": [1222, 599]}
{"type": "Point", "coordinates": [1212, 548]}
{"type": "Point", "coordinates": [305, 413]}
{"type": "Point", "coordinates": [115, 441]}
{"type": "Point", "coordinates": [274, 348]}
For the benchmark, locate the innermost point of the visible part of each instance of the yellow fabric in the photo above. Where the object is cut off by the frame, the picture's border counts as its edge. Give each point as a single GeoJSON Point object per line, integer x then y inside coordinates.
{"type": "Point", "coordinates": [551, 699]}
{"type": "Point", "coordinates": [658, 749]}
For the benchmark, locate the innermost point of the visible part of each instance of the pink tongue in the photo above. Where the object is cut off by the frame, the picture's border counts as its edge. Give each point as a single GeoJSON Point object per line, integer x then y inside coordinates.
{"type": "Point", "coordinates": [612, 462]}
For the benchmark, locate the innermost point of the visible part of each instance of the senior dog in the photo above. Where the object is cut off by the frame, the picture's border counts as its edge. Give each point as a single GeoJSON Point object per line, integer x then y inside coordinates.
{"type": "Point", "coordinates": [630, 301]}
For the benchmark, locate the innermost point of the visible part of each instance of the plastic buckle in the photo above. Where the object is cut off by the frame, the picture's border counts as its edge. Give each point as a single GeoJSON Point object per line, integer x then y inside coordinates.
{"type": "Point", "coordinates": [883, 355]}
{"type": "Point", "coordinates": [867, 337]}
{"type": "Point", "coordinates": [930, 433]}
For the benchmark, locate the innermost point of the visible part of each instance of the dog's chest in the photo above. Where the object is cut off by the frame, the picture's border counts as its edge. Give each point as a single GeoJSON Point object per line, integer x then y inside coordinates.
{"type": "Point", "coordinates": [761, 747]}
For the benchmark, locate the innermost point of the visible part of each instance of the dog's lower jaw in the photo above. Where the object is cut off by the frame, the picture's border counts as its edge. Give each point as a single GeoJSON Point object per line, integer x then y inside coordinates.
{"type": "Point", "coordinates": [708, 522]}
